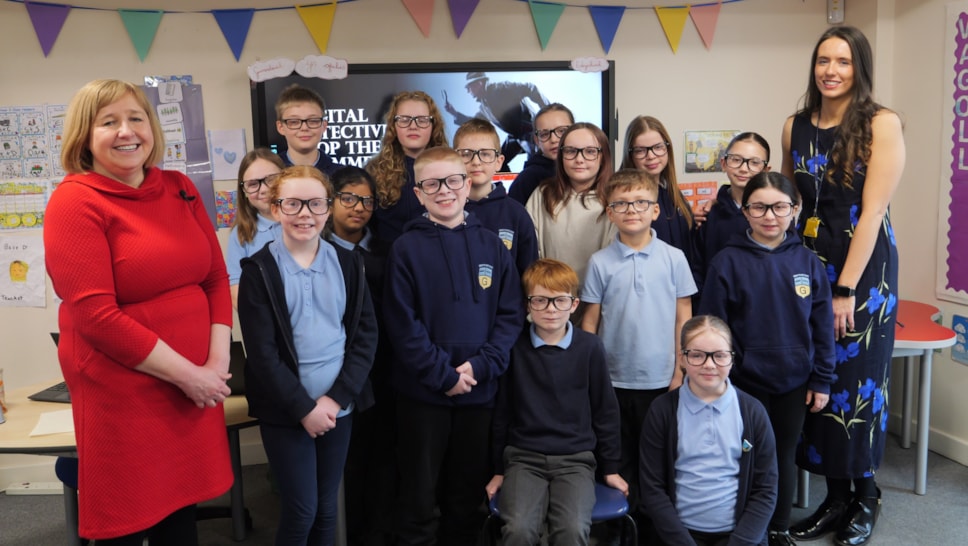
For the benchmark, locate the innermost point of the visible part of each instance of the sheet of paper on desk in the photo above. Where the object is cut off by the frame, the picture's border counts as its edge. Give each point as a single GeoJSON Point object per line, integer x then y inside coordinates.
{"type": "Point", "coordinates": [54, 422]}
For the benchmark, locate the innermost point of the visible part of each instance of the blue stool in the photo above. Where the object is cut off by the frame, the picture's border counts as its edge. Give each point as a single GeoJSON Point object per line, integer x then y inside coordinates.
{"type": "Point", "coordinates": [610, 504]}
{"type": "Point", "coordinates": [66, 470]}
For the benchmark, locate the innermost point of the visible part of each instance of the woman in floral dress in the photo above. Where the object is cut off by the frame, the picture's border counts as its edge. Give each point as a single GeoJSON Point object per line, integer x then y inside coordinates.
{"type": "Point", "coordinates": [846, 153]}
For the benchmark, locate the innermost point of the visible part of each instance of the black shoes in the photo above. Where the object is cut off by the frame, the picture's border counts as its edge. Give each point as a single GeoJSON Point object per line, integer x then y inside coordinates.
{"type": "Point", "coordinates": [826, 519]}
{"type": "Point", "coordinates": [859, 521]}
{"type": "Point", "coordinates": [781, 538]}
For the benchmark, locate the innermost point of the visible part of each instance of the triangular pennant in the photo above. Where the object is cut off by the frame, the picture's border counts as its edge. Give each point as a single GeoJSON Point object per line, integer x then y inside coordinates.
{"type": "Point", "coordinates": [673, 21]}
{"type": "Point", "coordinates": [319, 22]}
{"type": "Point", "coordinates": [705, 18]}
{"type": "Point", "coordinates": [48, 20]}
{"type": "Point", "coordinates": [460, 13]}
{"type": "Point", "coordinates": [422, 12]}
{"type": "Point", "coordinates": [545, 15]}
{"type": "Point", "coordinates": [235, 27]}
{"type": "Point", "coordinates": [606, 19]}
{"type": "Point", "coordinates": [141, 26]}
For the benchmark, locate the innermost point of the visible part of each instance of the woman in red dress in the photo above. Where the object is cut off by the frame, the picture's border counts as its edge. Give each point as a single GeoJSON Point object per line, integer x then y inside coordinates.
{"type": "Point", "coordinates": [145, 324]}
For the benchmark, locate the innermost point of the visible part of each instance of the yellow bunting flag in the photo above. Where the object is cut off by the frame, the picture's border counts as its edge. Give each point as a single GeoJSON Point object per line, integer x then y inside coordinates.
{"type": "Point", "coordinates": [319, 22]}
{"type": "Point", "coordinates": [673, 20]}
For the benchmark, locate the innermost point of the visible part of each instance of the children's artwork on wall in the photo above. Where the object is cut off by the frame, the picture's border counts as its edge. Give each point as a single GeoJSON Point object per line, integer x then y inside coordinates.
{"type": "Point", "coordinates": [699, 193]}
{"type": "Point", "coordinates": [959, 351]}
{"type": "Point", "coordinates": [30, 141]}
{"type": "Point", "coordinates": [226, 148]}
{"type": "Point", "coordinates": [22, 204]}
{"type": "Point", "coordinates": [225, 208]}
{"type": "Point", "coordinates": [22, 278]}
{"type": "Point", "coordinates": [704, 148]}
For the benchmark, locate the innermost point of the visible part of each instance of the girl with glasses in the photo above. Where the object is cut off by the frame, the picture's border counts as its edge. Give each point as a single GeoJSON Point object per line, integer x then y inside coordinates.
{"type": "Point", "coordinates": [775, 293]}
{"type": "Point", "coordinates": [568, 210]}
{"type": "Point", "coordinates": [413, 124]}
{"type": "Point", "coordinates": [550, 124]}
{"type": "Point", "coordinates": [254, 225]}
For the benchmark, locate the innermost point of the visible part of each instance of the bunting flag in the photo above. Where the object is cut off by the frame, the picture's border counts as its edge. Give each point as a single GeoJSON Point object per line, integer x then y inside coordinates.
{"type": "Point", "coordinates": [545, 16]}
{"type": "Point", "coordinates": [422, 12]}
{"type": "Point", "coordinates": [235, 27]}
{"type": "Point", "coordinates": [141, 26]}
{"type": "Point", "coordinates": [48, 20]}
{"type": "Point", "coordinates": [705, 18]}
{"type": "Point", "coordinates": [319, 21]}
{"type": "Point", "coordinates": [673, 22]}
{"type": "Point", "coordinates": [460, 13]}
{"type": "Point", "coordinates": [606, 19]}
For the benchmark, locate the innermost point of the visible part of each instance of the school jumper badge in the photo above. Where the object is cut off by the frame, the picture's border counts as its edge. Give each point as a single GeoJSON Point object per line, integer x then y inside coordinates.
{"type": "Point", "coordinates": [507, 237]}
{"type": "Point", "coordinates": [484, 275]}
{"type": "Point", "coordinates": [801, 284]}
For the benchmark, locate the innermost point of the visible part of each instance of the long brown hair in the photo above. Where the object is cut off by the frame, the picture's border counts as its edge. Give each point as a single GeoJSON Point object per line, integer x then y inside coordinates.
{"type": "Point", "coordinates": [853, 141]}
{"type": "Point", "coordinates": [246, 215]}
{"type": "Point", "coordinates": [555, 190]}
{"type": "Point", "coordinates": [387, 167]}
{"type": "Point", "coordinates": [644, 124]}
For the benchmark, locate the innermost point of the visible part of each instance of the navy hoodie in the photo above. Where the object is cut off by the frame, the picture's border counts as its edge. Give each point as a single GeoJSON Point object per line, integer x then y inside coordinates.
{"type": "Point", "coordinates": [388, 223]}
{"type": "Point", "coordinates": [724, 220]}
{"type": "Point", "coordinates": [511, 222]}
{"type": "Point", "coordinates": [536, 170]}
{"type": "Point", "coordinates": [453, 295]}
{"type": "Point", "coordinates": [778, 305]}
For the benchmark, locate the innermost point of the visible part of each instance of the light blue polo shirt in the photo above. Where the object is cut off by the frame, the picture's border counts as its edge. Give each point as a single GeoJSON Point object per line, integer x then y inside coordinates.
{"type": "Point", "coordinates": [638, 291]}
{"type": "Point", "coordinates": [563, 343]}
{"type": "Point", "coordinates": [316, 298]}
{"type": "Point", "coordinates": [265, 230]}
{"type": "Point", "coordinates": [707, 460]}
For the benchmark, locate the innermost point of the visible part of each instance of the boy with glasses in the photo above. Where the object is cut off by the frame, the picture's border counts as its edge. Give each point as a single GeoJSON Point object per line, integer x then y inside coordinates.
{"type": "Point", "coordinates": [477, 143]}
{"type": "Point", "coordinates": [556, 418]}
{"type": "Point", "coordinates": [638, 291]}
{"type": "Point", "coordinates": [301, 119]}
{"type": "Point", "coordinates": [454, 315]}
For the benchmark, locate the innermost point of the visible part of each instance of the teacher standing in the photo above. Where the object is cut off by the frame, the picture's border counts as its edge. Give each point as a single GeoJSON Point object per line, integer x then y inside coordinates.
{"type": "Point", "coordinates": [145, 324]}
{"type": "Point", "coordinates": [846, 153]}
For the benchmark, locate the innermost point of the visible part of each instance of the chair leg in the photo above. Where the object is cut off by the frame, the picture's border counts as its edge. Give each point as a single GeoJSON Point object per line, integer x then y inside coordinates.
{"type": "Point", "coordinates": [491, 532]}
{"type": "Point", "coordinates": [630, 531]}
{"type": "Point", "coordinates": [70, 516]}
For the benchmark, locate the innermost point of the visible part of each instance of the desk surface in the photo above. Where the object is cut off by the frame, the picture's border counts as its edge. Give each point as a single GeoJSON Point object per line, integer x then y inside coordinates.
{"type": "Point", "coordinates": [916, 327]}
{"type": "Point", "coordinates": [22, 415]}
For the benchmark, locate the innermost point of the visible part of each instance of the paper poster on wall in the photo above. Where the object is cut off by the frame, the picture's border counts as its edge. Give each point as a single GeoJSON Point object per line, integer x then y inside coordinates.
{"type": "Point", "coordinates": [959, 351]}
{"type": "Point", "coordinates": [22, 204]}
{"type": "Point", "coordinates": [704, 148]}
{"type": "Point", "coordinates": [699, 193]}
{"type": "Point", "coordinates": [227, 148]}
{"type": "Point", "coordinates": [225, 208]}
{"type": "Point", "coordinates": [22, 278]}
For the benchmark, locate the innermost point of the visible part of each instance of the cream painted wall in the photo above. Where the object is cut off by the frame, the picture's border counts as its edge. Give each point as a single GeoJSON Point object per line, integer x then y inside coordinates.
{"type": "Point", "coordinates": [751, 80]}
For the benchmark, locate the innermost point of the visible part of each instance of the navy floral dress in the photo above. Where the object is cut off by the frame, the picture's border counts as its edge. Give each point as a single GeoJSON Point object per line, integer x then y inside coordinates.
{"type": "Point", "coordinates": [846, 439]}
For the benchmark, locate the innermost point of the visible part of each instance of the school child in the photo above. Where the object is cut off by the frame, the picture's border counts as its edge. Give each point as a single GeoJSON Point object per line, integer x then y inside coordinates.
{"type": "Point", "coordinates": [455, 314]}
{"type": "Point", "coordinates": [254, 225]}
{"type": "Point", "coordinates": [550, 124]}
{"type": "Point", "coordinates": [638, 292]}
{"type": "Point", "coordinates": [746, 155]}
{"type": "Point", "coordinates": [310, 335]}
{"type": "Point", "coordinates": [775, 293]}
{"type": "Point", "coordinates": [301, 119]}
{"type": "Point", "coordinates": [556, 419]}
{"type": "Point", "coordinates": [370, 474]}
{"type": "Point", "coordinates": [413, 124]}
{"type": "Point", "coordinates": [567, 210]}
{"type": "Point", "coordinates": [477, 143]}
{"type": "Point", "coordinates": [708, 465]}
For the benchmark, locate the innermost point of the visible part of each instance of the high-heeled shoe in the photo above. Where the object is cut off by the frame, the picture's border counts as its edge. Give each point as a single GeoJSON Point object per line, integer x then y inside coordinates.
{"type": "Point", "coordinates": [826, 519]}
{"type": "Point", "coordinates": [859, 522]}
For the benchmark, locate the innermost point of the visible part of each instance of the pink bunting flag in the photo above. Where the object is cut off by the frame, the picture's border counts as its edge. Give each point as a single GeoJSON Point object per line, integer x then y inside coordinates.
{"type": "Point", "coordinates": [48, 20]}
{"type": "Point", "coordinates": [606, 19]}
{"type": "Point", "coordinates": [422, 12]}
{"type": "Point", "coordinates": [460, 13]}
{"type": "Point", "coordinates": [705, 19]}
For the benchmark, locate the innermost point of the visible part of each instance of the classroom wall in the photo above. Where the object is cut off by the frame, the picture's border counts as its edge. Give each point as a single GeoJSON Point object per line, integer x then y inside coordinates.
{"type": "Point", "coordinates": [751, 79]}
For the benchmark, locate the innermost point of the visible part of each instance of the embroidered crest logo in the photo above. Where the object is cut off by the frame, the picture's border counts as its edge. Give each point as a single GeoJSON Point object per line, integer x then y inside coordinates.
{"type": "Point", "coordinates": [801, 284]}
{"type": "Point", "coordinates": [484, 275]}
{"type": "Point", "coordinates": [506, 235]}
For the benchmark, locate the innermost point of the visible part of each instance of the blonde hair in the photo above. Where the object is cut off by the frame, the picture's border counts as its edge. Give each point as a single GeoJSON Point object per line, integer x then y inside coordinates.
{"type": "Point", "coordinates": [627, 180]}
{"type": "Point", "coordinates": [76, 156]}
{"type": "Point", "coordinates": [701, 323]}
{"type": "Point", "coordinates": [246, 215]}
{"type": "Point", "coordinates": [477, 126]}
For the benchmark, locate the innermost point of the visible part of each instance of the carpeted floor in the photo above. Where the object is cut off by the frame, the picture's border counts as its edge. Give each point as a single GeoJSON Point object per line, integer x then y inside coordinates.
{"type": "Point", "coordinates": [938, 518]}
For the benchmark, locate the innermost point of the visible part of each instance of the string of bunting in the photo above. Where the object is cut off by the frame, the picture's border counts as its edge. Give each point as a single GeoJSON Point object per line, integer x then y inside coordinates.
{"type": "Point", "coordinates": [48, 19]}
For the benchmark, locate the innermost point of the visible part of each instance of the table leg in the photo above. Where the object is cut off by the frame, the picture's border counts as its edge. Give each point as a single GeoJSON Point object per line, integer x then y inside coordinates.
{"type": "Point", "coordinates": [908, 371]}
{"type": "Point", "coordinates": [236, 496]}
{"type": "Point", "coordinates": [803, 488]}
{"type": "Point", "coordinates": [924, 417]}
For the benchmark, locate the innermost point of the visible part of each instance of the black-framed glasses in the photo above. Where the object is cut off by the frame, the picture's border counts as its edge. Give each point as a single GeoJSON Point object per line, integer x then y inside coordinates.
{"type": "Point", "coordinates": [486, 155]}
{"type": "Point", "coordinates": [658, 150]}
{"type": "Point", "coordinates": [780, 210]}
{"type": "Point", "coordinates": [754, 164]}
{"type": "Point", "coordinates": [431, 186]}
{"type": "Point", "coordinates": [422, 121]}
{"type": "Point", "coordinates": [292, 206]}
{"type": "Point", "coordinates": [296, 123]}
{"type": "Point", "coordinates": [639, 205]}
{"type": "Point", "coordinates": [561, 303]}
{"type": "Point", "coordinates": [695, 357]}
{"type": "Point", "coordinates": [590, 153]}
{"type": "Point", "coordinates": [349, 200]}
{"type": "Point", "coordinates": [253, 185]}
{"type": "Point", "coordinates": [545, 134]}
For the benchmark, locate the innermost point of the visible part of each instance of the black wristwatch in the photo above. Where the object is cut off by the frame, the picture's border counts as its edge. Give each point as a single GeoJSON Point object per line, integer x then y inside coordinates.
{"type": "Point", "coordinates": [842, 291]}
